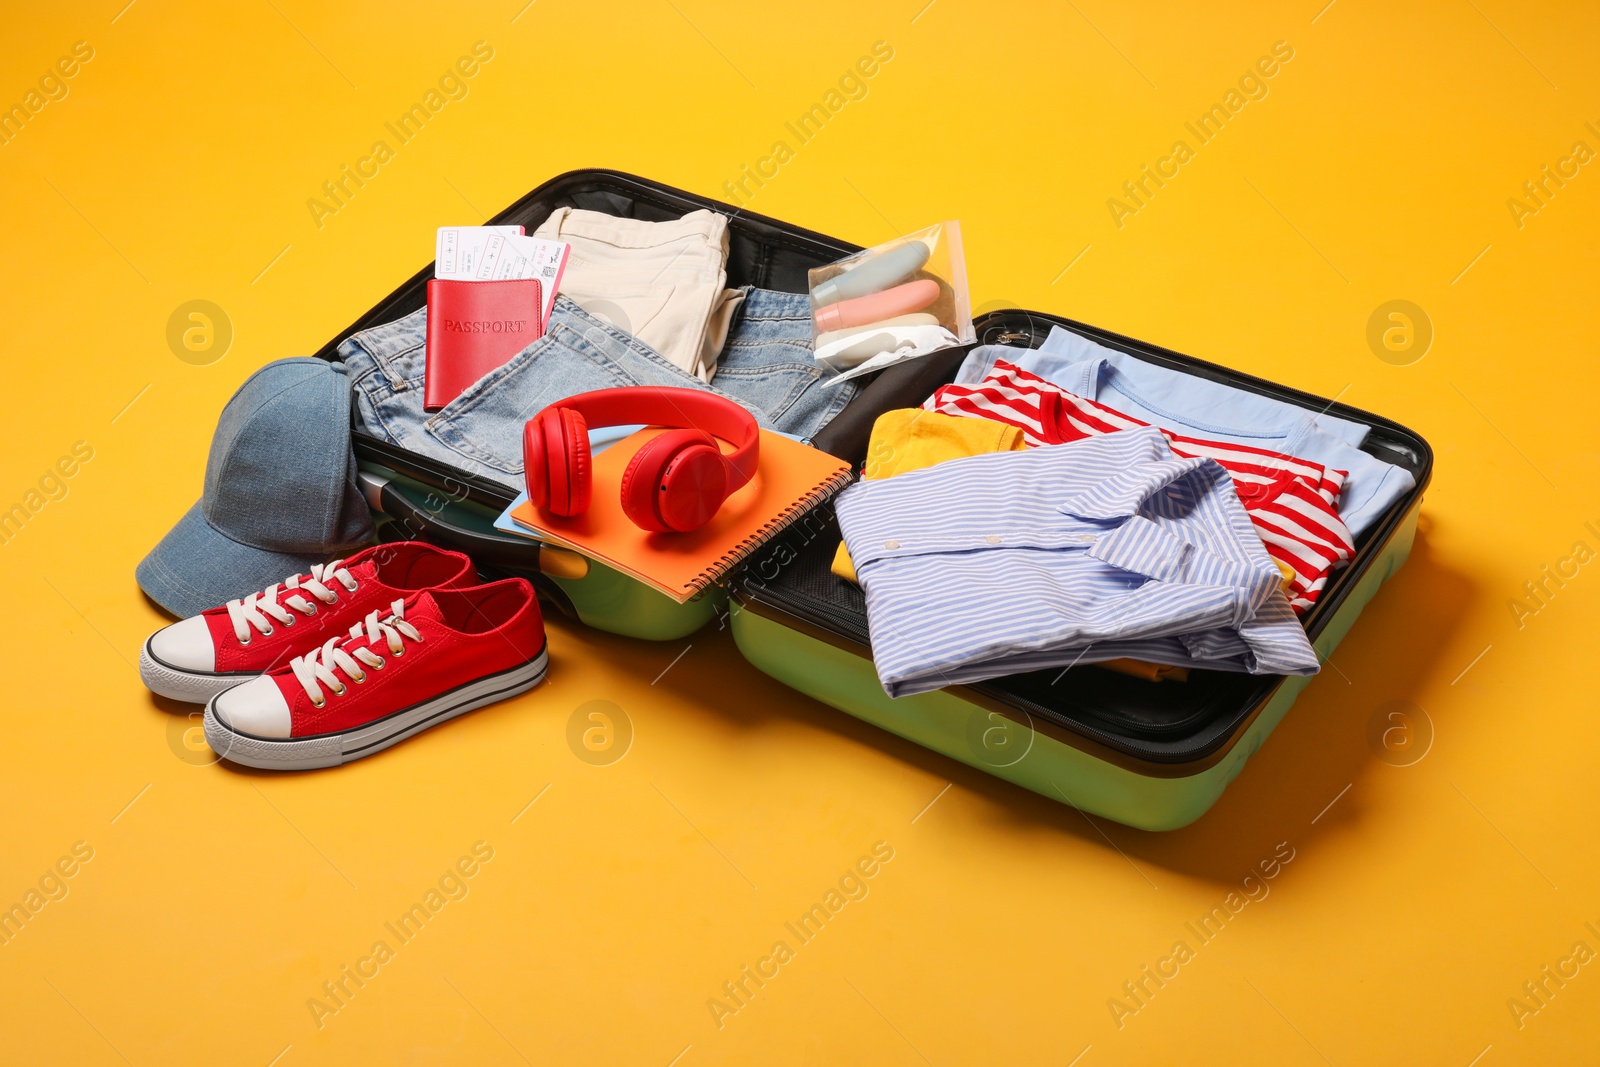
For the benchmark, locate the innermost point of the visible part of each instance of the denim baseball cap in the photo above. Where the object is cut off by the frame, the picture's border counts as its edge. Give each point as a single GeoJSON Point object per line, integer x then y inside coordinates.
{"type": "Point", "coordinates": [280, 492]}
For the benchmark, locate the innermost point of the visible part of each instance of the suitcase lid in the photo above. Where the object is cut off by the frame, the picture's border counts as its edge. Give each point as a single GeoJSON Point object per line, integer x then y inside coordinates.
{"type": "Point", "coordinates": [762, 252]}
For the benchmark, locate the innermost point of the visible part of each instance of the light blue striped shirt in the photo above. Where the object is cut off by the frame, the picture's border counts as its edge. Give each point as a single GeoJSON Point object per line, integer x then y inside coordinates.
{"type": "Point", "coordinates": [1102, 548]}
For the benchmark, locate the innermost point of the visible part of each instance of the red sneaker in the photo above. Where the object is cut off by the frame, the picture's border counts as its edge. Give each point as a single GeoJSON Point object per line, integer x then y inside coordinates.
{"type": "Point", "coordinates": [412, 665]}
{"type": "Point", "coordinates": [203, 655]}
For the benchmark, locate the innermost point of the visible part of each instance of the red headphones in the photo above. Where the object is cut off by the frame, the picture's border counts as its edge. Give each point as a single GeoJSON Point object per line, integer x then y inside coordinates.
{"type": "Point", "coordinates": [676, 482]}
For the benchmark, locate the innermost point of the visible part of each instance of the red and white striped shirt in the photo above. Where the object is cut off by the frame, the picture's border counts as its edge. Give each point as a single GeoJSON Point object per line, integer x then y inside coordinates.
{"type": "Point", "coordinates": [1290, 500]}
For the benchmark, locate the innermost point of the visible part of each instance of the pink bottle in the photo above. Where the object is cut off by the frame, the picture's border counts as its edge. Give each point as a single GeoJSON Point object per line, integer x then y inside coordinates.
{"type": "Point", "coordinates": [865, 310]}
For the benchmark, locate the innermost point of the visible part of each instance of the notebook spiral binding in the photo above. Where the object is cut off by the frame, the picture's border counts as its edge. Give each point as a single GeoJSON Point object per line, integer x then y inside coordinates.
{"type": "Point", "coordinates": [730, 560]}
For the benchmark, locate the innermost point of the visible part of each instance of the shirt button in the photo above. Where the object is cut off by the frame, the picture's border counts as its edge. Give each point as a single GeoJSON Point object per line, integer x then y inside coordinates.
{"type": "Point", "coordinates": [891, 545]}
{"type": "Point", "coordinates": [1087, 539]}
{"type": "Point", "coordinates": [993, 539]}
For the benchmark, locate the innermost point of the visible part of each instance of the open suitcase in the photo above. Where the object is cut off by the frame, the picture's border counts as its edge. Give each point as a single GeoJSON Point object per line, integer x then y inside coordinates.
{"type": "Point", "coordinates": [1151, 755]}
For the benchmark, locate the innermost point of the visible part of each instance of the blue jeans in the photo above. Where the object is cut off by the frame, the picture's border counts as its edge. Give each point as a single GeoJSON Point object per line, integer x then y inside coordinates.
{"type": "Point", "coordinates": [766, 366]}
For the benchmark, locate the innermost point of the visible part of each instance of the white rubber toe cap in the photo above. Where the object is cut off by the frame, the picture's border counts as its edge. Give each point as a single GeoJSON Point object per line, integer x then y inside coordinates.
{"type": "Point", "coordinates": [185, 645]}
{"type": "Point", "coordinates": [257, 707]}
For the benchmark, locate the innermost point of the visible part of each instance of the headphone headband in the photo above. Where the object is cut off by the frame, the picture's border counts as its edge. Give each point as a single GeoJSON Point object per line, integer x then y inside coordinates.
{"type": "Point", "coordinates": [691, 409]}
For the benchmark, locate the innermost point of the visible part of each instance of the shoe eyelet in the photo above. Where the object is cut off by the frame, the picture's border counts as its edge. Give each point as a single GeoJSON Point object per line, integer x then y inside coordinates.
{"type": "Point", "coordinates": [268, 632]}
{"type": "Point", "coordinates": [318, 703]}
{"type": "Point", "coordinates": [380, 664]}
{"type": "Point", "coordinates": [244, 642]}
{"type": "Point", "coordinates": [339, 692]}
{"type": "Point", "coordinates": [359, 678]}
{"type": "Point", "coordinates": [311, 609]}
{"type": "Point", "coordinates": [289, 621]}
{"type": "Point", "coordinates": [398, 653]}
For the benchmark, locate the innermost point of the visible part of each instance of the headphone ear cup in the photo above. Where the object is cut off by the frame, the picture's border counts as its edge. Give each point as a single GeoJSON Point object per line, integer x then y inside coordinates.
{"type": "Point", "coordinates": [579, 461]}
{"type": "Point", "coordinates": [675, 483]}
{"type": "Point", "coordinates": [641, 480]}
{"type": "Point", "coordinates": [557, 461]}
{"type": "Point", "coordinates": [536, 460]}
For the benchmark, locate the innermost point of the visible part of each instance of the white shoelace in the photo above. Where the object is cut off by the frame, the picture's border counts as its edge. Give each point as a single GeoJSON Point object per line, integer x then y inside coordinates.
{"type": "Point", "coordinates": [252, 611]}
{"type": "Point", "coordinates": [319, 667]}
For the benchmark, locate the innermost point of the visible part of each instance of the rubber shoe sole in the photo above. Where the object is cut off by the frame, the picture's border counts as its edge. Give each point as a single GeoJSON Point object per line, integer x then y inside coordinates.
{"type": "Point", "coordinates": [191, 687]}
{"type": "Point", "coordinates": [333, 749]}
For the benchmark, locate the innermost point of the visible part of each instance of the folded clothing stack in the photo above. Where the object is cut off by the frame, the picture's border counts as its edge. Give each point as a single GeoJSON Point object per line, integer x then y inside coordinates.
{"type": "Point", "coordinates": [765, 366]}
{"type": "Point", "coordinates": [1189, 405]}
{"type": "Point", "coordinates": [640, 304]}
{"type": "Point", "coordinates": [909, 439]}
{"type": "Point", "coordinates": [1290, 500]}
{"type": "Point", "coordinates": [1120, 542]}
{"type": "Point", "coordinates": [663, 282]}
{"type": "Point", "coordinates": [1106, 548]}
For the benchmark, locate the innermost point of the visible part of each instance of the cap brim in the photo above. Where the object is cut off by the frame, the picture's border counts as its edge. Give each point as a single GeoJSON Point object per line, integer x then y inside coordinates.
{"type": "Point", "coordinates": [194, 567]}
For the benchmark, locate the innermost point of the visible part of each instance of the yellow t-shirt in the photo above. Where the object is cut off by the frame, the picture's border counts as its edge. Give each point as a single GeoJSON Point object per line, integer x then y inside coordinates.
{"type": "Point", "coordinates": [909, 439]}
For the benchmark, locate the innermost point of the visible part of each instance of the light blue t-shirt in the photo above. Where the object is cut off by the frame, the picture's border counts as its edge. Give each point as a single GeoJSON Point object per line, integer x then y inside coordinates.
{"type": "Point", "coordinates": [1200, 408]}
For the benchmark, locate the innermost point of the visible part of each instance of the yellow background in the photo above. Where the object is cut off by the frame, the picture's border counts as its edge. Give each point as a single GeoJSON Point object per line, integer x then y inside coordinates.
{"type": "Point", "coordinates": [1420, 898]}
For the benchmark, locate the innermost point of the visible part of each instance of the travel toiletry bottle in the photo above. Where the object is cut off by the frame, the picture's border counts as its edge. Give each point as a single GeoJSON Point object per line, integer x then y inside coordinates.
{"type": "Point", "coordinates": [872, 275]}
{"type": "Point", "coordinates": [864, 310]}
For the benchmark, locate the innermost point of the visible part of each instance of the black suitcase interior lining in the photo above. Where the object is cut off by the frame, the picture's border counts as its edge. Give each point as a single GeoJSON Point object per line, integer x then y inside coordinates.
{"type": "Point", "coordinates": [1161, 722]}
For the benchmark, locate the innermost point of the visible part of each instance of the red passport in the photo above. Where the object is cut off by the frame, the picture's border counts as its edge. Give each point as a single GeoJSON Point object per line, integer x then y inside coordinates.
{"type": "Point", "coordinates": [474, 328]}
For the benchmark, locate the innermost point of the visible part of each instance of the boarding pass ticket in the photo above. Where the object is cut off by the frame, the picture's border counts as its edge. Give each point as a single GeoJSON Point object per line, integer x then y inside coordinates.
{"type": "Point", "coordinates": [499, 253]}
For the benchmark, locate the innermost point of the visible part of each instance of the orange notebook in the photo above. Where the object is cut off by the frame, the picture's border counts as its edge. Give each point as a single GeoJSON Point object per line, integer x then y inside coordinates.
{"type": "Point", "coordinates": [792, 479]}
